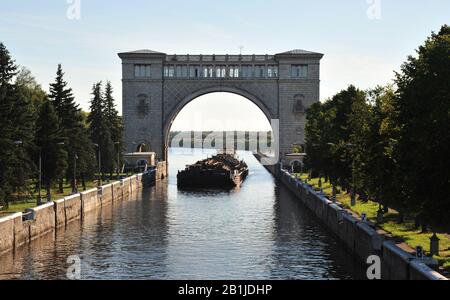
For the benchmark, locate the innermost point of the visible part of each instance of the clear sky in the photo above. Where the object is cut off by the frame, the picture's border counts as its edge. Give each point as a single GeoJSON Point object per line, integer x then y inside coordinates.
{"type": "Point", "coordinates": [221, 111]}
{"type": "Point", "coordinates": [361, 45]}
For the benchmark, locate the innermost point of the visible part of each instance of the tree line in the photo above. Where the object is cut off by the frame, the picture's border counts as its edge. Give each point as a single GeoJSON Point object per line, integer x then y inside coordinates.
{"type": "Point", "coordinates": [49, 132]}
{"type": "Point", "coordinates": [391, 144]}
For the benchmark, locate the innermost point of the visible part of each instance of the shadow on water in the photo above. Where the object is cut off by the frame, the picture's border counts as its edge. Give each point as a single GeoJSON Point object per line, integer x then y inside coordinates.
{"type": "Point", "coordinates": [259, 231]}
{"type": "Point", "coordinates": [305, 247]}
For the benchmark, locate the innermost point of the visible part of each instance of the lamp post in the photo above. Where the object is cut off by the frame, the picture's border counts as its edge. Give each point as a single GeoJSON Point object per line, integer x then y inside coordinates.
{"type": "Point", "coordinates": [74, 187]}
{"type": "Point", "coordinates": [18, 143]}
{"type": "Point", "coordinates": [99, 181]}
{"type": "Point", "coordinates": [61, 180]}
{"type": "Point", "coordinates": [353, 195]}
{"type": "Point", "coordinates": [39, 200]}
{"type": "Point", "coordinates": [332, 181]}
{"type": "Point", "coordinates": [434, 245]}
{"type": "Point", "coordinates": [118, 158]}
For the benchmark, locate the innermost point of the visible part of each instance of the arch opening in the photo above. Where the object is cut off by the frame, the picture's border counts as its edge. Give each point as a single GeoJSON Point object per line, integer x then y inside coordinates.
{"type": "Point", "coordinates": [214, 114]}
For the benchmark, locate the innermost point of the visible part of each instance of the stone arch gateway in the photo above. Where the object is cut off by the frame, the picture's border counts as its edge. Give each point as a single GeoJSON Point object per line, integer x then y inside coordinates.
{"type": "Point", "coordinates": [156, 86]}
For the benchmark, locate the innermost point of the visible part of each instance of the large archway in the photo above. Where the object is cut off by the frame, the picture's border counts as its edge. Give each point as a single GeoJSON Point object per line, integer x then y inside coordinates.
{"type": "Point", "coordinates": [210, 102]}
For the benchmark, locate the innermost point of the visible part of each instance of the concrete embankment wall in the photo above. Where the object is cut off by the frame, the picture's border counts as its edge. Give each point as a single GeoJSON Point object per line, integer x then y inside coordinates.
{"type": "Point", "coordinates": [21, 228]}
{"type": "Point", "coordinates": [90, 201]}
{"type": "Point", "coordinates": [126, 189]}
{"type": "Point", "coordinates": [7, 233]}
{"type": "Point", "coordinates": [359, 237]}
{"type": "Point", "coordinates": [44, 220]}
{"type": "Point", "coordinates": [161, 170]}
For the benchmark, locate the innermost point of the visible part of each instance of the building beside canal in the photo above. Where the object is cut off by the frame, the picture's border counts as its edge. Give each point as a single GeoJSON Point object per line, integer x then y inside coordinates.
{"type": "Point", "coordinates": [156, 86]}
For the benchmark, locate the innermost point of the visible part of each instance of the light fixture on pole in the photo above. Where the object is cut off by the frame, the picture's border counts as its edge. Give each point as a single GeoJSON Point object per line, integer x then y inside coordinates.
{"type": "Point", "coordinates": [18, 143]}
{"type": "Point", "coordinates": [74, 187]}
{"type": "Point", "coordinates": [49, 196]}
{"type": "Point", "coordinates": [353, 195]}
{"type": "Point", "coordinates": [118, 158]}
{"type": "Point", "coordinates": [99, 181]}
{"type": "Point", "coordinates": [39, 199]}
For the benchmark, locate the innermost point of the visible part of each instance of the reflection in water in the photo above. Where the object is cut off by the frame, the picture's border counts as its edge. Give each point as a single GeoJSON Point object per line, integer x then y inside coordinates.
{"type": "Point", "coordinates": [259, 231]}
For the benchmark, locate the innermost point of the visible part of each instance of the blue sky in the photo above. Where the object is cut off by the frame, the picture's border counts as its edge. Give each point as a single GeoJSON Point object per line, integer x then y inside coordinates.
{"type": "Point", "coordinates": [357, 49]}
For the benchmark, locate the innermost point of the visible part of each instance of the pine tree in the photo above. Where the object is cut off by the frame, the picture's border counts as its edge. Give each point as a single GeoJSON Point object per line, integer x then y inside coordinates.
{"type": "Point", "coordinates": [114, 123]}
{"type": "Point", "coordinates": [16, 128]}
{"type": "Point", "coordinates": [7, 71]}
{"type": "Point", "coordinates": [49, 137]}
{"type": "Point", "coordinates": [23, 117]}
{"type": "Point", "coordinates": [99, 130]}
{"type": "Point", "coordinates": [78, 144]}
{"type": "Point", "coordinates": [86, 163]}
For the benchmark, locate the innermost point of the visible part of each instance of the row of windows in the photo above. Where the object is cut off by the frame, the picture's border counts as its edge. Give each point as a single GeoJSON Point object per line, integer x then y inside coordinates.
{"type": "Point", "coordinates": [299, 71]}
{"type": "Point", "coordinates": [142, 71]}
{"type": "Point", "coordinates": [221, 71]}
{"type": "Point", "coordinates": [245, 71]}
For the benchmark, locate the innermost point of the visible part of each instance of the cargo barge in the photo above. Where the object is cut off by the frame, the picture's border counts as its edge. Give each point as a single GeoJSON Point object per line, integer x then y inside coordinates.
{"type": "Point", "coordinates": [220, 171]}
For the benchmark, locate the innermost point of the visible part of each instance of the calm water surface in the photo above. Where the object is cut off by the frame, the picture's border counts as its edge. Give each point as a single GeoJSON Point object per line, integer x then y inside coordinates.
{"type": "Point", "coordinates": [257, 232]}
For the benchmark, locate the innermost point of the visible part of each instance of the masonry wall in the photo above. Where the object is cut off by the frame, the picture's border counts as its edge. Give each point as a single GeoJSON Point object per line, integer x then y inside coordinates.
{"type": "Point", "coordinates": [60, 213]}
{"type": "Point", "coordinates": [72, 206]}
{"type": "Point", "coordinates": [133, 184]}
{"type": "Point", "coordinates": [161, 170]}
{"type": "Point", "coordinates": [151, 104]}
{"type": "Point", "coordinates": [359, 237]}
{"type": "Point", "coordinates": [19, 229]}
{"type": "Point", "coordinates": [90, 201]}
{"type": "Point", "coordinates": [106, 194]}
{"type": "Point", "coordinates": [126, 189]}
{"type": "Point", "coordinates": [44, 220]}
{"type": "Point", "coordinates": [6, 233]}
{"type": "Point", "coordinates": [292, 122]}
{"type": "Point", "coordinates": [142, 104]}
{"type": "Point", "coordinates": [117, 192]}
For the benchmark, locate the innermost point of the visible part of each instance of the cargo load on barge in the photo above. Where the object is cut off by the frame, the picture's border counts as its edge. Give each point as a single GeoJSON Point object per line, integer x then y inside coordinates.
{"type": "Point", "coordinates": [220, 171]}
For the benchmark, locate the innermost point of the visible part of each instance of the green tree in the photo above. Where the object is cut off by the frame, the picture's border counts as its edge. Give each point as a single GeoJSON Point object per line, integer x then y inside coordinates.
{"type": "Point", "coordinates": [86, 163]}
{"type": "Point", "coordinates": [78, 145]}
{"type": "Point", "coordinates": [49, 137]}
{"type": "Point", "coordinates": [16, 129]}
{"type": "Point", "coordinates": [23, 117]}
{"type": "Point", "coordinates": [31, 89]}
{"type": "Point", "coordinates": [114, 123]}
{"type": "Point", "coordinates": [360, 120]}
{"type": "Point", "coordinates": [333, 138]}
{"type": "Point", "coordinates": [99, 129]}
{"type": "Point", "coordinates": [342, 155]}
{"type": "Point", "coordinates": [315, 139]}
{"type": "Point", "coordinates": [378, 169]}
{"type": "Point", "coordinates": [423, 144]}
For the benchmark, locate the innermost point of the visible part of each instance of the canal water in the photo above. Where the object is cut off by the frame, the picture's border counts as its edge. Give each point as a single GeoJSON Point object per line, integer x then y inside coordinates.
{"type": "Point", "coordinates": [259, 231]}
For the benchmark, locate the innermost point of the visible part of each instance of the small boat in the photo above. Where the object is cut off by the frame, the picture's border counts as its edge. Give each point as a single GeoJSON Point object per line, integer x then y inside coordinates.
{"type": "Point", "coordinates": [223, 170]}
